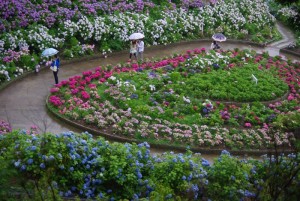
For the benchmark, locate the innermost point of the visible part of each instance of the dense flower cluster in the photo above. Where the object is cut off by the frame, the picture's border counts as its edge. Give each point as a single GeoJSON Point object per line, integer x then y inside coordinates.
{"type": "Point", "coordinates": [80, 165]}
{"type": "Point", "coordinates": [77, 32]}
{"type": "Point", "coordinates": [155, 100]}
{"type": "Point", "coordinates": [4, 127]}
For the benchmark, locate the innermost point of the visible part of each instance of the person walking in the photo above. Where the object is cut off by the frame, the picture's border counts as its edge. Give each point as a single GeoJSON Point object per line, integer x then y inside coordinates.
{"type": "Point", "coordinates": [133, 49]}
{"type": "Point", "coordinates": [140, 50]}
{"type": "Point", "coordinates": [55, 67]}
{"type": "Point", "coordinates": [214, 45]}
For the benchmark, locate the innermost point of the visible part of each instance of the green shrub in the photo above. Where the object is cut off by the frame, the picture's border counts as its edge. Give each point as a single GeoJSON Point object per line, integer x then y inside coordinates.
{"type": "Point", "coordinates": [68, 53]}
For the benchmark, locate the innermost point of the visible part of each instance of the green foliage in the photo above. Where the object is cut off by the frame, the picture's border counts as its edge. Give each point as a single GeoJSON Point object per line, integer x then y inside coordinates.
{"type": "Point", "coordinates": [228, 178]}
{"type": "Point", "coordinates": [47, 167]}
{"type": "Point", "coordinates": [68, 53]}
{"type": "Point", "coordinates": [288, 122]}
{"type": "Point", "coordinates": [72, 42]}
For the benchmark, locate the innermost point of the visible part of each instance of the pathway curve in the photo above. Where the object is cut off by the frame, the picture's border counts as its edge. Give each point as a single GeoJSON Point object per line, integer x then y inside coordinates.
{"type": "Point", "coordinates": [22, 103]}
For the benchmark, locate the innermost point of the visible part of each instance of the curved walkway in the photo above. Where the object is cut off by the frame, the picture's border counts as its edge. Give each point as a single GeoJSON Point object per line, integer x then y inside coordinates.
{"type": "Point", "coordinates": [22, 103]}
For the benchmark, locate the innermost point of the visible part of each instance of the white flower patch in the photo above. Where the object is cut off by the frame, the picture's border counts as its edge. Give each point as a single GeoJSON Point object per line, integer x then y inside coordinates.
{"type": "Point", "coordinates": [187, 100]}
{"type": "Point", "coordinates": [41, 39]}
{"type": "Point", "coordinates": [152, 87]}
{"type": "Point", "coordinates": [86, 28]}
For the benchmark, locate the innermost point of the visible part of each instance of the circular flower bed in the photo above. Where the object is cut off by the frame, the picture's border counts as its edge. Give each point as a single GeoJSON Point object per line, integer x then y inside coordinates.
{"type": "Point", "coordinates": [184, 99]}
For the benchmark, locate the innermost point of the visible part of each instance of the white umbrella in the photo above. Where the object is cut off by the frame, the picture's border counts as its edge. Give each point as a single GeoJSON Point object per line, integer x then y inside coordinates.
{"type": "Point", "coordinates": [136, 36]}
{"type": "Point", "coordinates": [219, 37]}
{"type": "Point", "coordinates": [49, 52]}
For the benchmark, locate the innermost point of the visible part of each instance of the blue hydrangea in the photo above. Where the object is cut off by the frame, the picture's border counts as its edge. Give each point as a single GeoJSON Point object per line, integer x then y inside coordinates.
{"type": "Point", "coordinates": [139, 175]}
{"type": "Point", "coordinates": [23, 167]}
{"type": "Point", "coordinates": [205, 162]}
{"type": "Point", "coordinates": [134, 96]}
{"type": "Point", "coordinates": [33, 148]}
{"type": "Point", "coordinates": [42, 165]}
{"type": "Point", "coordinates": [51, 158]}
{"type": "Point", "coordinates": [59, 156]}
{"type": "Point", "coordinates": [30, 161]}
{"type": "Point", "coordinates": [225, 152]}
{"type": "Point", "coordinates": [17, 163]}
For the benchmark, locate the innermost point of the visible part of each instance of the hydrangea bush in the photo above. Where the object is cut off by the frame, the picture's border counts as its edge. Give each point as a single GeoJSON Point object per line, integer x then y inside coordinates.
{"type": "Point", "coordinates": [5, 127]}
{"type": "Point", "coordinates": [100, 26]}
{"type": "Point", "coordinates": [68, 165]}
{"type": "Point", "coordinates": [173, 100]}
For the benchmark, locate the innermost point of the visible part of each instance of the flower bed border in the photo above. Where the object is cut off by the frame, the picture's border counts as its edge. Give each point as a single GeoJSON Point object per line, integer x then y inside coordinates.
{"type": "Point", "coordinates": [283, 50]}
{"type": "Point", "coordinates": [263, 102]}
{"type": "Point", "coordinates": [204, 150]}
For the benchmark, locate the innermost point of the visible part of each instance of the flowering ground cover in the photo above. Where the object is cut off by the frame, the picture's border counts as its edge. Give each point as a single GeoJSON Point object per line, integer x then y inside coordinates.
{"type": "Point", "coordinates": [78, 28]}
{"type": "Point", "coordinates": [67, 165]}
{"type": "Point", "coordinates": [194, 99]}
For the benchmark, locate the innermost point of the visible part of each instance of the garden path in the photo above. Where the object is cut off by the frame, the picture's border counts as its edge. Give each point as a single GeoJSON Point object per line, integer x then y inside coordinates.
{"type": "Point", "coordinates": [23, 103]}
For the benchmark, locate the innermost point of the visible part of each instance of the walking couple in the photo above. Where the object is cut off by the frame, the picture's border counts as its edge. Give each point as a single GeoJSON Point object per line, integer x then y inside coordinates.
{"type": "Point", "coordinates": [137, 49]}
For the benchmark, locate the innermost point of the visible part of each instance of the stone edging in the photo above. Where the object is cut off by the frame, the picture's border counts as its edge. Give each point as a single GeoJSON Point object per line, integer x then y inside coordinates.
{"type": "Point", "coordinates": [289, 52]}
{"type": "Point", "coordinates": [254, 152]}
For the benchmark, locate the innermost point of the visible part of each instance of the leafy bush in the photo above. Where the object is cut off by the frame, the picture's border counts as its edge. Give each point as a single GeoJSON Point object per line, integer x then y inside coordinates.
{"type": "Point", "coordinates": [68, 165]}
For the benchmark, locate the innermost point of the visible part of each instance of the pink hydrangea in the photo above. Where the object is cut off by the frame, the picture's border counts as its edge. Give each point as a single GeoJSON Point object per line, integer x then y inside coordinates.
{"type": "Point", "coordinates": [85, 95]}
{"type": "Point", "coordinates": [248, 125]}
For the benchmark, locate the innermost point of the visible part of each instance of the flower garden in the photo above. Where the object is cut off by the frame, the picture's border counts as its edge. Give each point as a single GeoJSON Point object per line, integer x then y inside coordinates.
{"type": "Point", "coordinates": [86, 27]}
{"type": "Point", "coordinates": [234, 100]}
{"type": "Point", "coordinates": [202, 99]}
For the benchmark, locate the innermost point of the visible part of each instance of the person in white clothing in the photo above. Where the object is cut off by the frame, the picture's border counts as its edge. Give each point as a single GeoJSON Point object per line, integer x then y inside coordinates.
{"type": "Point", "coordinates": [140, 50]}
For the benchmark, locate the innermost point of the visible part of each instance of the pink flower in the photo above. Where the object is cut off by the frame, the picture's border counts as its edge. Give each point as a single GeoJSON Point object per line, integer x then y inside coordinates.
{"type": "Point", "coordinates": [85, 95]}
{"type": "Point", "coordinates": [54, 90]}
{"type": "Point", "coordinates": [102, 79]}
{"type": "Point", "coordinates": [74, 91]}
{"type": "Point", "coordinates": [248, 125]}
{"type": "Point", "coordinates": [92, 86]}
{"type": "Point", "coordinates": [290, 97]}
{"type": "Point", "coordinates": [56, 101]}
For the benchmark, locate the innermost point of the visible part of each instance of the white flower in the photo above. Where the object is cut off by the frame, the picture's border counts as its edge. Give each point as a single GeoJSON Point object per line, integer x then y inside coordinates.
{"type": "Point", "coordinates": [187, 100]}
{"type": "Point", "coordinates": [152, 87]}
{"type": "Point", "coordinates": [113, 78]}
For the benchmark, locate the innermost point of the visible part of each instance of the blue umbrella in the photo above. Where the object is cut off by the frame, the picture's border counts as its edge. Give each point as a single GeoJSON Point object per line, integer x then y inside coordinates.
{"type": "Point", "coordinates": [49, 52]}
{"type": "Point", "coordinates": [219, 37]}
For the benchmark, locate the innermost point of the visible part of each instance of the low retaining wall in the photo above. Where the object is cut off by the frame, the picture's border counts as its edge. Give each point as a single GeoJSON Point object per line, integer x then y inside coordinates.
{"type": "Point", "coordinates": [291, 52]}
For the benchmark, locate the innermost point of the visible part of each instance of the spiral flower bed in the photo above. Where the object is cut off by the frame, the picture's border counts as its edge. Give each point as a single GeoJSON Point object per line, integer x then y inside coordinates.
{"type": "Point", "coordinates": [183, 100]}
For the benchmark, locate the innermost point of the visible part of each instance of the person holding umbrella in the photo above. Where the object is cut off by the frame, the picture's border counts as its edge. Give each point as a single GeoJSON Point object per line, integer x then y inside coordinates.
{"type": "Point", "coordinates": [218, 37]}
{"type": "Point", "coordinates": [55, 64]}
{"type": "Point", "coordinates": [133, 49]}
{"type": "Point", "coordinates": [55, 67]}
